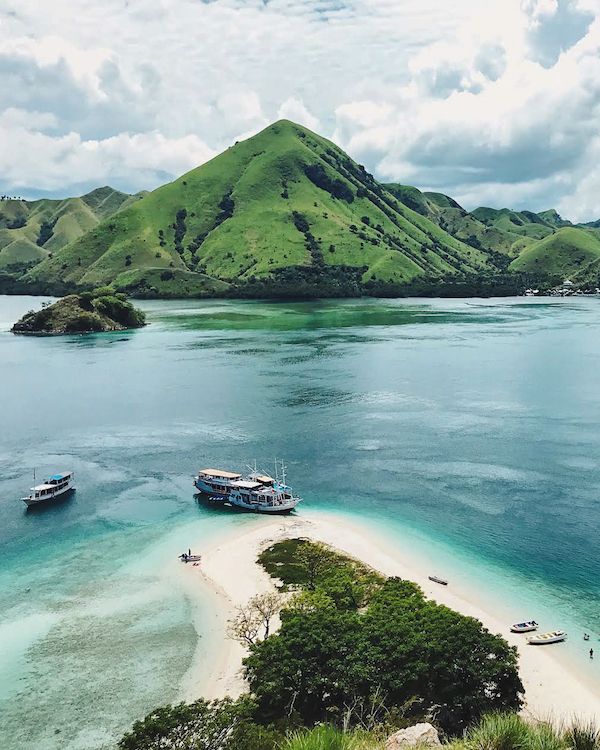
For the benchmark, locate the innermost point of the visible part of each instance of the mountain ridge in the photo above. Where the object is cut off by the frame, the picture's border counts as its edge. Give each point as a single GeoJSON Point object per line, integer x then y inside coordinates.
{"type": "Point", "coordinates": [284, 212]}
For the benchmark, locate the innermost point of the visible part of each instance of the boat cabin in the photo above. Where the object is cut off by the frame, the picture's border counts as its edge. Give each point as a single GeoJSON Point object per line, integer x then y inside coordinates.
{"type": "Point", "coordinates": [52, 486]}
{"type": "Point", "coordinates": [265, 480]}
{"type": "Point", "coordinates": [218, 474]}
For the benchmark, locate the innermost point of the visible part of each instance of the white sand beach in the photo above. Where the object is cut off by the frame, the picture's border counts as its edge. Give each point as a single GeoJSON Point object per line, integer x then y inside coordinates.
{"type": "Point", "coordinates": [232, 575]}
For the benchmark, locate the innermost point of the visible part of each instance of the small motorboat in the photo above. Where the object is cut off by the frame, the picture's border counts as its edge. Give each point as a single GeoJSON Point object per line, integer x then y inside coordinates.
{"type": "Point", "coordinates": [524, 627]}
{"type": "Point", "coordinates": [554, 636]}
{"type": "Point", "coordinates": [437, 579]}
{"type": "Point", "coordinates": [184, 557]}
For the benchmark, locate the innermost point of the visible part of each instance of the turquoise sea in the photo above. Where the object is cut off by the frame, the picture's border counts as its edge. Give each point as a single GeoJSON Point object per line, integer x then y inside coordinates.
{"type": "Point", "coordinates": [466, 429]}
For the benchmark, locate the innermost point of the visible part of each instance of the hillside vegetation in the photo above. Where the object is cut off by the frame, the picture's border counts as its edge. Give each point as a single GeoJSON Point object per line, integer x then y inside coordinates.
{"type": "Point", "coordinates": [566, 252]}
{"type": "Point", "coordinates": [31, 231]}
{"type": "Point", "coordinates": [285, 205]}
{"type": "Point", "coordinates": [283, 213]}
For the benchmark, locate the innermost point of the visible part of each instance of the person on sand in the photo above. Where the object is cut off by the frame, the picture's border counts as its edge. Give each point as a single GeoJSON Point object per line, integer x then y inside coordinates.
{"type": "Point", "coordinates": [591, 653]}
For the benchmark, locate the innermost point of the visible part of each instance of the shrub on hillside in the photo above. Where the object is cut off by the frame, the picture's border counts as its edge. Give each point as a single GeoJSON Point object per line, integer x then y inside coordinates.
{"type": "Point", "coordinates": [337, 188]}
{"type": "Point", "coordinates": [83, 322]}
{"type": "Point", "coordinates": [117, 308]}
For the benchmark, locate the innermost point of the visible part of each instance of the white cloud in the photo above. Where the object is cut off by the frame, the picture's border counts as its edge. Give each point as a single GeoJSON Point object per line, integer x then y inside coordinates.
{"type": "Point", "coordinates": [69, 160]}
{"type": "Point", "coordinates": [498, 101]}
{"type": "Point", "coordinates": [295, 110]}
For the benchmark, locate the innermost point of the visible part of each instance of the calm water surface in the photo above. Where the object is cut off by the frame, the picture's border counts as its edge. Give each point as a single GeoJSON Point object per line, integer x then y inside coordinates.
{"type": "Point", "coordinates": [470, 428]}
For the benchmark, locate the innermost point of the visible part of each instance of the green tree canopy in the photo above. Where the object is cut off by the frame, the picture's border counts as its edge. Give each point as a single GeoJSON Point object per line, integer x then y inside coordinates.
{"type": "Point", "coordinates": [332, 652]}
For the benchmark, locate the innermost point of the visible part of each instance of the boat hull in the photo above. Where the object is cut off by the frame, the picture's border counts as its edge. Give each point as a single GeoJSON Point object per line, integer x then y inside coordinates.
{"type": "Point", "coordinates": [207, 489]}
{"type": "Point", "coordinates": [523, 628]}
{"type": "Point", "coordinates": [266, 510]}
{"type": "Point", "coordinates": [546, 640]}
{"type": "Point", "coordinates": [35, 502]}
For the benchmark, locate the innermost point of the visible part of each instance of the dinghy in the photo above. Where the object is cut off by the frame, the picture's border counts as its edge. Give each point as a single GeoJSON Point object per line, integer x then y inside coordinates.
{"type": "Point", "coordinates": [555, 636]}
{"type": "Point", "coordinates": [524, 627]}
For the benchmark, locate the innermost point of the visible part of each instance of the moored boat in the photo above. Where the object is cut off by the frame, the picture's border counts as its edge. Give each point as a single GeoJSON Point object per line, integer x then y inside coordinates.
{"type": "Point", "coordinates": [524, 627]}
{"type": "Point", "coordinates": [55, 487]}
{"type": "Point", "coordinates": [554, 636]}
{"type": "Point", "coordinates": [257, 492]}
{"type": "Point", "coordinates": [216, 482]}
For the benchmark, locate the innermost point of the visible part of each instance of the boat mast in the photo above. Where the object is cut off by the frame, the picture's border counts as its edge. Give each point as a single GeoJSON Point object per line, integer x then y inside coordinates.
{"type": "Point", "coordinates": [282, 472]}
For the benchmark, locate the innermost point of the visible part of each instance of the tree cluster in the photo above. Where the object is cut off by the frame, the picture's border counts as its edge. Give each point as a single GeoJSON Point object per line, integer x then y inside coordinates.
{"type": "Point", "coordinates": [344, 644]}
{"type": "Point", "coordinates": [334, 186]}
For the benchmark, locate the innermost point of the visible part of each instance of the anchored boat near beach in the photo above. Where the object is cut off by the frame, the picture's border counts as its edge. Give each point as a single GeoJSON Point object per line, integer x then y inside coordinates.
{"type": "Point", "coordinates": [55, 487]}
{"type": "Point", "coordinates": [524, 627]}
{"type": "Point", "coordinates": [555, 636]}
{"type": "Point", "coordinates": [256, 492]}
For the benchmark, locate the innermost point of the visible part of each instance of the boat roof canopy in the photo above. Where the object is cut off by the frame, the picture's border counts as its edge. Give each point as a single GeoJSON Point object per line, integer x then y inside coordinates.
{"type": "Point", "coordinates": [246, 485]}
{"type": "Point", "coordinates": [220, 473]}
{"type": "Point", "coordinates": [58, 477]}
{"type": "Point", "coordinates": [263, 478]}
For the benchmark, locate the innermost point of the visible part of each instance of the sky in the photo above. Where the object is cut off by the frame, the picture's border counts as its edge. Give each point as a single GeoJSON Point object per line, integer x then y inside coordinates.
{"type": "Point", "coordinates": [494, 102]}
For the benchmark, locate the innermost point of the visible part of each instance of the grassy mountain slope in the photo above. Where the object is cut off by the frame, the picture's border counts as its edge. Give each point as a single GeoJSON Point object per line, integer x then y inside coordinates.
{"type": "Point", "coordinates": [523, 223]}
{"type": "Point", "coordinates": [565, 253]}
{"type": "Point", "coordinates": [31, 230]}
{"type": "Point", "coordinates": [283, 198]}
{"type": "Point", "coordinates": [452, 218]}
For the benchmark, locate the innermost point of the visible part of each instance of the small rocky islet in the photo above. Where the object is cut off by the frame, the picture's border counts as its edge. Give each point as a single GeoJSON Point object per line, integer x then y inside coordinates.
{"type": "Point", "coordinates": [88, 312]}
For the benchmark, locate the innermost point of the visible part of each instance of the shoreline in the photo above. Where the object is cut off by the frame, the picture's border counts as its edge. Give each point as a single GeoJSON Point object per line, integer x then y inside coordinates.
{"type": "Point", "coordinates": [552, 688]}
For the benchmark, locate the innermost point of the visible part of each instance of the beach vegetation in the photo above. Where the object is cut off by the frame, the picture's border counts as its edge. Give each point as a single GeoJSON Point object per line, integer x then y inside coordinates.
{"type": "Point", "coordinates": [328, 737]}
{"type": "Point", "coordinates": [255, 617]}
{"type": "Point", "coordinates": [354, 638]}
{"type": "Point", "coordinates": [203, 725]}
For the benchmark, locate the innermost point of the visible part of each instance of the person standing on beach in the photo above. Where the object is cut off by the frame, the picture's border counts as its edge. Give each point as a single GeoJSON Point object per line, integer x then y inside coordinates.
{"type": "Point", "coordinates": [591, 653]}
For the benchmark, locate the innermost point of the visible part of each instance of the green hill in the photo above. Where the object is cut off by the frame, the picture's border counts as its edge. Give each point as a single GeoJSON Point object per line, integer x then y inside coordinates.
{"type": "Point", "coordinates": [453, 218]}
{"type": "Point", "coordinates": [284, 212]}
{"type": "Point", "coordinates": [565, 253]}
{"type": "Point", "coordinates": [32, 230]}
{"type": "Point", "coordinates": [523, 223]}
{"type": "Point", "coordinates": [283, 207]}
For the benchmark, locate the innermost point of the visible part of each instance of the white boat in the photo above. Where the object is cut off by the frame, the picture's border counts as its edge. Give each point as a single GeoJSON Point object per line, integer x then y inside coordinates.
{"type": "Point", "coordinates": [56, 486]}
{"type": "Point", "coordinates": [216, 482]}
{"type": "Point", "coordinates": [524, 627]}
{"type": "Point", "coordinates": [554, 636]}
{"type": "Point", "coordinates": [257, 492]}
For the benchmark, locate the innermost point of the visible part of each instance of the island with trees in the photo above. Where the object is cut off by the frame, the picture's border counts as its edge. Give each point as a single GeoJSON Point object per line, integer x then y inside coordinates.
{"type": "Point", "coordinates": [355, 659]}
{"type": "Point", "coordinates": [88, 312]}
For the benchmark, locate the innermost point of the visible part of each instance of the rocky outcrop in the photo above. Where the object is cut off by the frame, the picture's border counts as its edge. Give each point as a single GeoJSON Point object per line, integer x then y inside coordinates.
{"type": "Point", "coordinates": [419, 735]}
{"type": "Point", "coordinates": [88, 312]}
